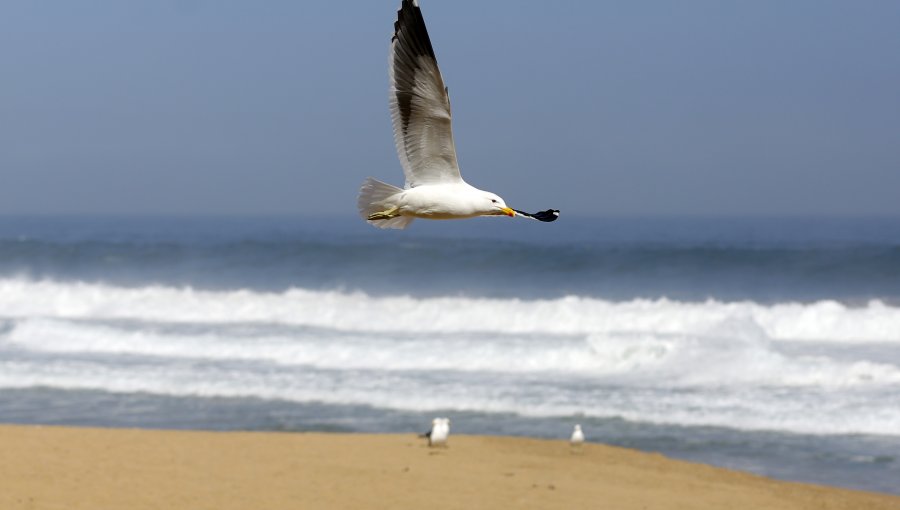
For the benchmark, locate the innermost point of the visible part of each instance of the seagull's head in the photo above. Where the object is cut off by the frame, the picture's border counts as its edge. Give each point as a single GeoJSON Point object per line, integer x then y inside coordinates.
{"type": "Point", "coordinates": [495, 206]}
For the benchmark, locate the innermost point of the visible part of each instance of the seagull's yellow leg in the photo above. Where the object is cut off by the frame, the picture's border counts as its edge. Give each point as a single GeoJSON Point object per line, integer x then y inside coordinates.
{"type": "Point", "coordinates": [393, 212]}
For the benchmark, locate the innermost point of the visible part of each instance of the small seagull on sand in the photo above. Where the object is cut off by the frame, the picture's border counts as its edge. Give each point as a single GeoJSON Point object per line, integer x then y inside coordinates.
{"type": "Point", "coordinates": [440, 429]}
{"type": "Point", "coordinates": [420, 110]}
{"type": "Point", "coordinates": [577, 436]}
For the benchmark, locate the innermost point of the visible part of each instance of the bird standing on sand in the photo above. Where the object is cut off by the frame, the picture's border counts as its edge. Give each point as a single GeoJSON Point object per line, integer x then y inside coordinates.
{"type": "Point", "coordinates": [577, 436]}
{"type": "Point", "coordinates": [420, 110]}
{"type": "Point", "coordinates": [440, 429]}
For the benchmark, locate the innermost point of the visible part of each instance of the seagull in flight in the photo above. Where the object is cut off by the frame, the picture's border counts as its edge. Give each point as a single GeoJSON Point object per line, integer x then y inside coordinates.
{"type": "Point", "coordinates": [420, 110]}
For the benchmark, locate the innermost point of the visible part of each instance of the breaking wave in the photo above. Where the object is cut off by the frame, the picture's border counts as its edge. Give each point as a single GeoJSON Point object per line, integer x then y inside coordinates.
{"type": "Point", "coordinates": [784, 366]}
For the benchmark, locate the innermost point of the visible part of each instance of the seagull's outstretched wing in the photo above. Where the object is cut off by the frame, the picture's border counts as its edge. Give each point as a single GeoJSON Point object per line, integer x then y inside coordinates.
{"type": "Point", "coordinates": [420, 106]}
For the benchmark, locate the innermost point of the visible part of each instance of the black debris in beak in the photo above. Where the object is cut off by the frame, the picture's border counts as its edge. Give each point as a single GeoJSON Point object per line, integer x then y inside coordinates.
{"type": "Point", "coordinates": [548, 215]}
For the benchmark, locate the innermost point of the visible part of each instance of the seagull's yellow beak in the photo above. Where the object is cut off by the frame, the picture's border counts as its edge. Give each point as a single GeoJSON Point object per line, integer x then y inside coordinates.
{"type": "Point", "coordinates": [509, 212]}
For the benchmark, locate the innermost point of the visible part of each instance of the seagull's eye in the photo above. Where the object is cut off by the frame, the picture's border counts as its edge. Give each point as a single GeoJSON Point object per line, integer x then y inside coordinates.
{"type": "Point", "coordinates": [494, 200]}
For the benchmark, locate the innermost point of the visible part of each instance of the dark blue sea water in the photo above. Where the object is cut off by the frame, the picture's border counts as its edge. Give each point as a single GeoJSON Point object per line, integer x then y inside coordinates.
{"type": "Point", "coordinates": [767, 345]}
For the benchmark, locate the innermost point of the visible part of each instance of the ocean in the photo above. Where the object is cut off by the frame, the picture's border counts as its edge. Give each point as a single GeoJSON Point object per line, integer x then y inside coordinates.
{"type": "Point", "coordinates": [766, 345]}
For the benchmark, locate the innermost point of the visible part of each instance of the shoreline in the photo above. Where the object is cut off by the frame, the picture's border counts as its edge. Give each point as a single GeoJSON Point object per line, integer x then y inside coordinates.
{"type": "Point", "coordinates": [72, 467]}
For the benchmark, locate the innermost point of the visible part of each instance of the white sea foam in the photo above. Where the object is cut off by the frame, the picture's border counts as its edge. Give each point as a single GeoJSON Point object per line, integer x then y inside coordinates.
{"type": "Point", "coordinates": [708, 359]}
{"type": "Point", "coordinates": [748, 409]}
{"type": "Point", "coordinates": [821, 321]}
{"type": "Point", "coordinates": [707, 363]}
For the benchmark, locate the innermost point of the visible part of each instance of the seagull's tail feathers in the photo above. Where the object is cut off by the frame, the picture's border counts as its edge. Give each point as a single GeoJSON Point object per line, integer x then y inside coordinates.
{"type": "Point", "coordinates": [376, 205]}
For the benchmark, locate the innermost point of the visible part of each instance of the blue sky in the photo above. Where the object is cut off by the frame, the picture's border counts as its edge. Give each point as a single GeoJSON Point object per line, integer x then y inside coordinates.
{"type": "Point", "coordinates": [596, 108]}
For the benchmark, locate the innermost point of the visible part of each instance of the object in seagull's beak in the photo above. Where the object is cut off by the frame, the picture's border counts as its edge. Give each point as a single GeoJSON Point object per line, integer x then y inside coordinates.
{"type": "Point", "coordinates": [548, 215]}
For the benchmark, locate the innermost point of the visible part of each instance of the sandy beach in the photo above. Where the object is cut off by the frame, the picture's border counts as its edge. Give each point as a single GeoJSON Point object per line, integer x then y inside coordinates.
{"type": "Point", "coordinates": [73, 468]}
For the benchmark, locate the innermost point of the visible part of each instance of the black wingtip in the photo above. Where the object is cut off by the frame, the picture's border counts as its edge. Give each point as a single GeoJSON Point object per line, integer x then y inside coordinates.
{"type": "Point", "coordinates": [410, 21]}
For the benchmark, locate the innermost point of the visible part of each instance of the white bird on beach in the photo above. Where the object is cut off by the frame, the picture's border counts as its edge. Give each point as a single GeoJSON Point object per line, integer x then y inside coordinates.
{"type": "Point", "coordinates": [420, 110]}
{"type": "Point", "coordinates": [577, 436]}
{"type": "Point", "coordinates": [440, 430]}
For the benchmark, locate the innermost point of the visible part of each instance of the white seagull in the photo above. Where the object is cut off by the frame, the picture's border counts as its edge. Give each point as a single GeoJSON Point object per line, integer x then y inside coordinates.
{"type": "Point", "coordinates": [420, 110]}
{"type": "Point", "coordinates": [577, 436]}
{"type": "Point", "coordinates": [440, 430]}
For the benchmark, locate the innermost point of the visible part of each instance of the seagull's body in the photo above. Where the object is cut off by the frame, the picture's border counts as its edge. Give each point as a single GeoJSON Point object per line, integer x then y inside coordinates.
{"type": "Point", "coordinates": [420, 110]}
{"type": "Point", "coordinates": [577, 436]}
{"type": "Point", "coordinates": [440, 430]}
